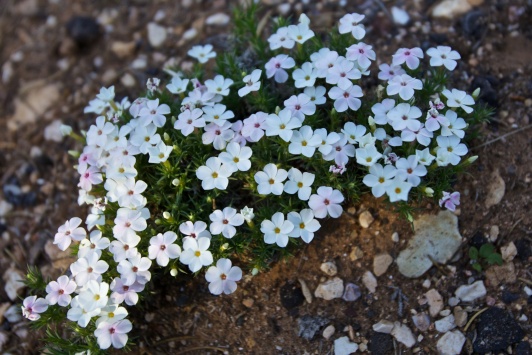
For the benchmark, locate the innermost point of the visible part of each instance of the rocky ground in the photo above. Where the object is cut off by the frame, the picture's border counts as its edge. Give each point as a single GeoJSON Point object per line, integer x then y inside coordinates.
{"type": "Point", "coordinates": [355, 286]}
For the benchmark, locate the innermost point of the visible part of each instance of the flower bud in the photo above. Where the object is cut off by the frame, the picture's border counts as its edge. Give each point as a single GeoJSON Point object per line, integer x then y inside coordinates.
{"type": "Point", "coordinates": [167, 215]}
{"type": "Point", "coordinates": [255, 271]}
{"type": "Point", "coordinates": [74, 153]}
{"type": "Point", "coordinates": [166, 137]}
{"type": "Point", "coordinates": [173, 272]}
{"type": "Point", "coordinates": [476, 93]}
{"type": "Point", "coordinates": [65, 130]}
{"type": "Point", "coordinates": [371, 123]}
{"type": "Point", "coordinates": [429, 192]}
{"type": "Point", "coordinates": [176, 182]}
{"type": "Point", "coordinates": [173, 119]}
{"type": "Point", "coordinates": [224, 247]}
{"type": "Point", "coordinates": [277, 110]}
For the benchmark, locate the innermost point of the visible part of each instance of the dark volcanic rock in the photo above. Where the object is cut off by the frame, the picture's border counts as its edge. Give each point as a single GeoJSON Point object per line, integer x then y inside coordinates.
{"type": "Point", "coordinates": [523, 348]}
{"type": "Point", "coordinates": [380, 343]}
{"type": "Point", "coordinates": [496, 330]}
{"type": "Point", "coordinates": [509, 297]}
{"type": "Point", "coordinates": [310, 325]}
{"type": "Point", "coordinates": [83, 30]}
{"type": "Point", "coordinates": [291, 295]}
{"type": "Point", "coordinates": [524, 249]}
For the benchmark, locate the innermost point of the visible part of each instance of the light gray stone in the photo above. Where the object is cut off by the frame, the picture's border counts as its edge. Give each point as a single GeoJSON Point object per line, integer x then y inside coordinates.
{"type": "Point", "coordinates": [329, 268]}
{"type": "Point", "coordinates": [445, 324]}
{"type": "Point", "coordinates": [156, 34]}
{"type": "Point", "coordinates": [343, 346]}
{"type": "Point", "coordinates": [450, 9]}
{"type": "Point", "coordinates": [381, 263]}
{"type": "Point", "coordinates": [403, 334]}
{"type": "Point", "coordinates": [496, 189]}
{"type": "Point", "coordinates": [13, 282]}
{"type": "Point", "coordinates": [52, 132]}
{"type": "Point", "coordinates": [469, 293]}
{"type": "Point", "coordinates": [400, 16]}
{"type": "Point", "coordinates": [509, 252]}
{"type": "Point", "coordinates": [328, 332]}
{"type": "Point", "coordinates": [383, 326]}
{"type": "Point", "coordinates": [460, 316]}
{"type": "Point", "coordinates": [218, 19]}
{"type": "Point", "coordinates": [436, 237]}
{"type": "Point", "coordinates": [451, 343]}
{"type": "Point", "coordinates": [330, 289]}
{"type": "Point", "coordinates": [306, 291]}
{"type": "Point", "coordinates": [369, 280]}
{"type": "Point", "coordinates": [435, 301]}
{"type": "Point", "coordinates": [421, 321]}
{"type": "Point", "coordinates": [365, 219]}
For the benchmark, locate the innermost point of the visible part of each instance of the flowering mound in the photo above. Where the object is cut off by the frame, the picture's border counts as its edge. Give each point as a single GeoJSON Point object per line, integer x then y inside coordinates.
{"type": "Point", "coordinates": [245, 163]}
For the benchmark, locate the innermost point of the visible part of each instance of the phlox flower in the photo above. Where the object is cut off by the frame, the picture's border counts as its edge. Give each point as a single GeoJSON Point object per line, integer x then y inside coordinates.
{"type": "Point", "coordinates": [117, 138]}
{"type": "Point", "coordinates": [410, 56]}
{"type": "Point", "coordinates": [324, 60]}
{"type": "Point", "coordinates": [159, 153]}
{"type": "Point", "coordinates": [124, 293]}
{"type": "Point", "coordinates": [135, 269]}
{"type": "Point", "coordinates": [381, 109]}
{"type": "Point", "coordinates": [300, 183]}
{"type": "Point", "coordinates": [94, 295]}
{"type": "Point", "coordinates": [388, 72]}
{"type": "Point", "coordinates": [398, 190]}
{"type": "Point", "coordinates": [351, 23]}
{"type": "Point", "coordinates": [437, 104]}
{"type": "Point", "coordinates": [353, 132]}
{"type": "Point", "coordinates": [409, 170]}
{"type": "Point", "coordinates": [88, 268]}
{"type": "Point", "coordinates": [120, 169]}
{"type": "Point", "coordinates": [404, 85]}
{"type": "Point", "coordinates": [254, 126]}
{"type": "Point", "coordinates": [217, 114]}
{"type": "Point", "coordinates": [276, 67]}
{"type": "Point", "coordinates": [316, 94]}
{"type": "Point", "coordinates": [343, 72]}
{"type": "Point", "coordinates": [270, 180]}
{"type": "Point", "coordinates": [367, 155]}
{"type": "Point", "coordinates": [152, 84]}
{"type": "Point", "coordinates": [111, 313]}
{"type": "Point", "coordinates": [95, 244]}
{"type": "Point", "coordinates": [107, 94]}
{"type": "Point", "coordinates": [196, 254]}
{"type": "Point", "coordinates": [305, 225]}
{"type": "Point", "coordinates": [379, 178]}
{"type": "Point", "coordinates": [128, 222]}
{"type": "Point", "coordinates": [162, 248]}
{"type": "Point", "coordinates": [202, 53]}
{"type": "Point", "coordinates": [422, 135]}
{"type": "Point", "coordinates": [153, 112]}
{"type": "Point", "coordinates": [224, 222]}
{"type": "Point", "coordinates": [459, 98]}
{"type": "Point", "coordinates": [367, 139]}
{"type": "Point", "coordinates": [452, 147]}
{"type": "Point", "coordinates": [96, 106]}
{"type": "Point", "coordinates": [129, 193]}
{"type": "Point", "coordinates": [195, 230]}
{"type": "Point", "coordinates": [247, 213]}
{"type": "Point", "coordinates": [327, 140]}
{"type": "Point", "coordinates": [282, 124]}
{"type": "Point", "coordinates": [114, 334]}
{"type": "Point", "coordinates": [97, 133]}
{"type": "Point", "coordinates": [300, 33]}
{"type": "Point", "coordinates": [424, 157]}
{"type": "Point", "coordinates": [68, 231]}
{"type": "Point", "coordinates": [78, 314]}
{"type": "Point", "coordinates": [281, 39]}
{"type": "Point", "coordinates": [455, 125]}
{"type": "Point", "coordinates": [236, 157]}
{"type": "Point", "coordinates": [125, 247]}
{"type": "Point", "coordinates": [341, 151]}
{"type": "Point", "coordinates": [145, 137]}
{"type": "Point", "coordinates": [346, 96]}
{"type": "Point", "coordinates": [218, 134]}
{"type": "Point", "coordinates": [214, 174]}
{"type": "Point", "coordinates": [88, 177]}
{"type": "Point", "coordinates": [198, 98]}
{"type": "Point", "coordinates": [305, 76]}
{"type": "Point", "coordinates": [32, 306]}
{"type": "Point", "coordinates": [137, 105]}
{"type": "Point", "coordinates": [443, 55]}
{"type": "Point", "coordinates": [219, 85]}
{"type": "Point", "coordinates": [276, 230]}
{"type": "Point", "coordinates": [337, 169]}
{"type": "Point", "coordinates": [435, 119]}
{"type": "Point", "coordinates": [251, 83]}
{"type": "Point", "coordinates": [238, 137]}
{"type": "Point", "coordinates": [362, 53]}
{"type": "Point", "coordinates": [450, 200]}
{"type": "Point", "coordinates": [304, 141]}
{"type": "Point", "coordinates": [59, 291]}
{"type": "Point", "coordinates": [178, 85]}
{"type": "Point", "coordinates": [300, 105]}
{"type": "Point", "coordinates": [405, 116]}
{"type": "Point", "coordinates": [222, 278]}
{"type": "Point", "coordinates": [188, 120]}
{"type": "Point", "coordinates": [326, 202]}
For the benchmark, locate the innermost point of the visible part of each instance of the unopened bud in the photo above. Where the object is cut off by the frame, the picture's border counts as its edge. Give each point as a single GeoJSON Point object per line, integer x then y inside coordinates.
{"type": "Point", "coordinates": [428, 192]}
{"type": "Point", "coordinates": [175, 182]}
{"type": "Point", "coordinates": [255, 271]}
{"type": "Point", "coordinates": [471, 159]}
{"type": "Point", "coordinates": [65, 130]}
{"type": "Point", "coordinates": [173, 272]}
{"type": "Point", "coordinates": [173, 119]}
{"type": "Point", "coordinates": [277, 110]}
{"type": "Point", "coordinates": [476, 93]}
{"type": "Point", "coordinates": [371, 123]}
{"type": "Point", "coordinates": [167, 215]}
{"type": "Point", "coordinates": [224, 246]}
{"type": "Point", "coordinates": [74, 153]}
{"type": "Point", "coordinates": [166, 137]}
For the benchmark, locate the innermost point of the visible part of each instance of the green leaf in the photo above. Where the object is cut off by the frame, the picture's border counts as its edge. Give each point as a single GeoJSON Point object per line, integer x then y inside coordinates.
{"type": "Point", "coordinates": [486, 250]}
{"type": "Point", "coordinates": [477, 267]}
{"type": "Point", "coordinates": [494, 258]}
{"type": "Point", "coordinates": [473, 253]}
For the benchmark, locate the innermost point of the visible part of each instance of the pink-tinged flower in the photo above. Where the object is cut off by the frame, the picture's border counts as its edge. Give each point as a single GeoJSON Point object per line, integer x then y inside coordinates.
{"type": "Point", "coordinates": [346, 96]}
{"type": "Point", "coordinates": [59, 291]}
{"type": "Point", "coordinates": [135, 269]}
{"type": "Point", "coordinates": [153, 112]}
{"type": "Point", "coordinates": [90, 176]}
{"type": "Point", "coordinates": [337, 169]}
{"type": "Point", "coordinates": [450, 200]}
{"type": "Point", "coordinates": [443, 55]}
{"type": "Point", "coordinates": [222, 278]}
{"type": "Point", "coordinates": [163, 249]}
{"type": "Point", "coordinates": [343, 72]}
{"type": "Point", "coordinates": [125, 247]}
{"type": "Point", "coordinates": [405, 116]}
{"type": "Point", "coordinates": [351, 23]}
{"type": "Point", "coordinates": [326, 201]}
{"type": "Point", "coordinates": [410, 56]}
{"type": "Point", "coordinates": [128, 222]}
{"type": "Point", "coordinates": [270, 180]}
{"type": "Point", "coordinates": [404, 85]}
{"type": "Point", "coordinates": [254, 126]}
{"type": "Point", "coordinates": [276, 67]}
{"type": "Point", "coordinates": [114, 334]}
{"type": "Point", "coordinates": [224, 222]}
{"type": "Point", "coordinates": [218, 134]}
{"type": "Point", "coordinates": [68, 231]}
{"type": "Point", "coordinates": [422, 135]}
{"type": "Point", "coordinates": [88, 268]}
{"type": "Point", "coordinates": [435, 119]}
{"type": "Point", "coordinates": [32, 306]}
{"type": "Point", "coordinates": [214, 174]}
{"type": "Point", "coordinates": [459, 98]}
{"type": "Point", "coordinates": [388, 72]}
{"type": "Point", "coordinates": [124, 293]}
{"type": "Point", "coordinates": [341, 151]}
{"type": "Point", "coordinates": [300, 105]}
{"type": "Point", "coordinates": [188, 120]}
{"type": "Point", "coordinates": [277, 230]}
{"type": "Point", "coordinates": [362, 53]}
{"type": "Point", "coordinates": [195, 230]}
{"type": "Point", "coordinates": [409, 170]}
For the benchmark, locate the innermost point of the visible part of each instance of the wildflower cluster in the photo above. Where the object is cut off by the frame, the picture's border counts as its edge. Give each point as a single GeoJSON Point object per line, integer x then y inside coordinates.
{"type": "Point", "coordinates": [247, 162]}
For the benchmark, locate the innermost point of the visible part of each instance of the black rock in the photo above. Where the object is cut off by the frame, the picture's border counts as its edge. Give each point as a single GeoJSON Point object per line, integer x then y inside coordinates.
{"type": "Point", "coordinates": [496, 330]}
{"type": "Point", "coordinates": [489, 93]}
{"type": "Point", "coordinates": [84, 30]}
{"type": "Point", "coordinates": [474, 24]}
{"type": "Point", "coordinates": [523, 348]}
{"type": "Point", "coordinates": [309, 326]}
{"type": "Point", "coordinates": [380, 343]}
{"type": "Point", "coordinates": [524, 249]}
{"type": "Point", "coordinates": [478, 240]}
{"type": "Point", "coordinates": [508, 297]}
{"type": "Point", "coordinates": [291, 295]}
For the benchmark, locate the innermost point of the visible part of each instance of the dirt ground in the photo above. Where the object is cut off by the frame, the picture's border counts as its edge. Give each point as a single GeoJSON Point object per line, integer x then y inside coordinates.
{"type": "Point", "coordinates": [43, 57]}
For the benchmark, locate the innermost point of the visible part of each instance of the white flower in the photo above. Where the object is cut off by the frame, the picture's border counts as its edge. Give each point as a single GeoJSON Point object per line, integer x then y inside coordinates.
{"type": "Point", "coordinates": [398, 190]}
{"type": "Point", "coordinates": [327, 140]}
{"type": "Point", "coordinates": [251, 83]}
{"type": "Point", "coordinates": [254, 126]}
{"type": "Point", "coordinates": [282, 124]}
{"type": "Point", "coordinates": [128, 222]}
{"type": "Point", "coordinates": [424, 157]}
{"type": "Point", "coordinates": [405, 116]}
{"type": "Point", "coordinates": [300, 105]}
{"type": "Point", "coordinates": [409, 170]}
{"type": "Point", "coordinates": [125, 247]}
{"type": "Point", "coordinates": [202, 53]}
{"type": "Point", "coordinates": [236, 157]}
{"type": "Point", "coordinates": [195, 253]}
{"type": "Point", "coordinates": [111, 313]}
{"type": "Point", "coordinates": [410, 56]}
{"type": "Point", "coordinates": [281, 39]}
{"type": "Point", "coordinates": [94, 295]}
{"type": "Point", "coordinates": [379, 178]}
{"type": "Point", "coordinates": [300, 33]}
{"type": "Point", "coordinates": [224, 222]}
{"type": "Point", "coordinates": [404, 85]}
{"type": "Point", "coordinates": [218, 134]}
{"type": "Point", "coordinates": [188, 120]}
{"type": "Point", "coordinates": [32, 306]}
{"type": "Point", "coordinates": [341, 151]}
{"type": "Point", "coordinates": [214, 174]}
{"type": "Point", "coordinates": [367, 155]}
{"type": "Point", "coordinates": [304, 225]}
{"type": "Point", "coordinates": [422, 135]}
{"type": "Point", "coordinates": [443, 55]}
{"type": "Point", "coordinates": [277, 230]}
{"type": "Point", "coordinates": [196, 230]}
{"type": "Point", "coordinates": [381, 109]}
{"type": "Point", "coordinates": [78, 314]}
{"type": "Point", "coordinates": [222, 278]}
{"type": "Point", "coordinates": [217, 114]}
{"type": "Point", "coordinates": [324, 60]}
{"type": "Point", "coordinates": [270, 180]}
{"type": "Point", "coordinates": [276, 67]}
{"type": "Point", "coordinates": [300, 183]}
{"type": "Point", "coordinates": [326, 201]}
{"type": "Point", "coordinates": [362, 53]}
{"type": "Point", "coordinates": [177, 85]}
{"type": "Point", "coordinates": [153, 112]}
{"type": "Point", "coordinates": [145, 137]}
{"type": "Point", "coordinates": [247, 213]}
{"type": "Point", "coordinates": [459, 98]}
{"type": "Point", "coordinates": [135, 269]}
{"type": "Point", "coordinates": [114, 334]}
{"type": "Point", "coordinates": [455, 125]}
{"type": "Point", "coordinates": [346, 96]}
{"type": "Point", "coordinates": [95, 244]}
{"type": "Point", "coordinates": [305, 76]}
{"type": "Point", "coordinates": [342, 72]}
{"type": "Point", "coordinates": [88, 268]}
{"type": "Point", "coordinates": [388, 72]}
{"type": "Point", "coordinates": [107, 94]}
{"type": "Point", "coordinates": [304, 141]}
{"type": "Point", "coordinates": [219, 85]}
{"type": "Point", "coordinates": [351, 23]}
{"type": "Point", "coordinates": [124, 293]}
{"type": "Point", "coordinates": [163, 249]}
{"type": "Point", "coordinates": [68, 231]}
{"type": "Point", "coordinates": [129, 193]}
{"type": "Point", "coordinates": [59, 291]}
{"type": "Point", "coordinates": [353, 132]}
{"type": "Point", "coordinates": [451, 147]}
{"type": "Point", "coordinates": [316, 94]}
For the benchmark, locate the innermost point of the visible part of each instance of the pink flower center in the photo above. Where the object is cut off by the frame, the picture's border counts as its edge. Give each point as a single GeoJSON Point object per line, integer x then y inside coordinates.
{"type": "Point", "coordinates": [298, 107]}
{"type": "Point", "coordinates": [125, 288]}
{"type": "Point", "coordinates": [61, 291]}
{"type": "Point", "coordinates": [407, 53]}
{"type": "Point", "coordinates": [361, 51]}
{"type": "Point", "coordinates": [223, 276]}
{"type": "Point", "coordinates": [278, 65]}
{"type": "Point", "coordinates": [89, 270]}
{"type": "Point", "coordinates": [135, 269]}
{"type": "Point", "coordinates": [225, 221]}
{"type": "Point", "coordinates": [326, 202]}
{"type": "Point", "coordinates": [112, 330]}
{"type": "Point", "coordinates": [217, 132]}
{"type": "Point", "coordinates": [163, 247]}
{"type": "Point", "coordinates": [346, 95]}
{"type": "Point", "coordinates": [257, 125]}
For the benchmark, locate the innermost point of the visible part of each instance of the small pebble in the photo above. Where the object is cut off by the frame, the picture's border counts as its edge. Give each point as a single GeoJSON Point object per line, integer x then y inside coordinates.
{"type": "Point", "coordinates": [365, 219]}
{"type": "Point", "coordinates": [426, 283]}
{"type": "Point", "coordinates": [248, 302]}
{"type": "Point", "coordinates": [328, 332]}
{"type": "Point", "coordinates": [369, 281]}
{"type": "Point", "coordinates": [351, 292]}
{"type": "Point", "coordinates": [219, 19]}
{"type": "Point", "coordinates": [395, 237]}
{"type": "Point", "coordinates": [329, 268]}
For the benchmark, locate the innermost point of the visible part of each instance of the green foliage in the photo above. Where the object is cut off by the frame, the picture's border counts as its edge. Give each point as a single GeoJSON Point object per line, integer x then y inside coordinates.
{"type": "Point", "coordinates": [486, 255]}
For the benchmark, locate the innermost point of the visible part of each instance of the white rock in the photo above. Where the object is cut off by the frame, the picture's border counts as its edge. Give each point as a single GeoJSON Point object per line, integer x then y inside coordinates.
{"type": "Point", "coordinates": [395, 237]}
{"type": "Point", "coordinates": [445, 324]}
{"type": "Point", "coordinates": [453, 301]}
{"type": "Point", "coordinates": [365, 219]}
{"type": "Point", "coordinates": [7, 72]}
{"type": "Point", "coordinates": [330, 289]}
{"type": "Point", "coordinates": [189, 34]}
{"type": "Point", "coordinates": [435, 301]}
{"type": "Point", "coordinates": [159, 15]}
{"type": "Point", "coordinates": [218, 19]}
{"type": "Point", "coordinates": [437, 237]}
{"type": "Point", "coordinates": [383, 326]}
{"type": "Point", "coordinates": [369, 281]}
{"type": "Point", "coordinates": [13, 314]}
{"type": "Point", "coordinates": [329, 268]}
{"type": "Point", "coordinates": [284, 9]}
{"type": "Point", "coordinates": [496, 189]}
{"type": "Point", "coordinates": [421, 321]}
{"type": "Point", "coordinates": [52, 132]}
{"type": "Point", "coordinates": [37, 99]}
{"type": "Point", "coordinates": [128, 80]}
{"type": "Point", "coordinates": [403, 334]}
{"type": "Point", "coordinates": [451, 343]}
{"type": "Point", "coordinates": [528, 291]}
{"type": "Point", "coordinates": [140, 63]}
{"type": "Point", "coordinates": [13, 282]}
{"type": "Point", "coordinates": [494, 233]}
{"type": "Point", "coordinates": [451, 9]}
{"type": "Point", "coordinates": [509, 252]}
{"type": "Point", "coordinates": [328, 332]}
{"type": "Point", "coordinates": [342, 346]}
{"type": "Point", "coordinates": [5, 208]}
{"type": "Point", "coordinates": [426, 283]}
{"type": "Point", "coordinates": [445, 312]}
{"type": "Point", "coordinates": [468, 293]}
{"type": "Point", "coordinates": [156, 34]}
{"type": "Point", "coordinates": [306, 291]}
{"type": "Point", "coordinates": [400, 16]}
{"type": "Point", "coordinates": [381, 263]}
